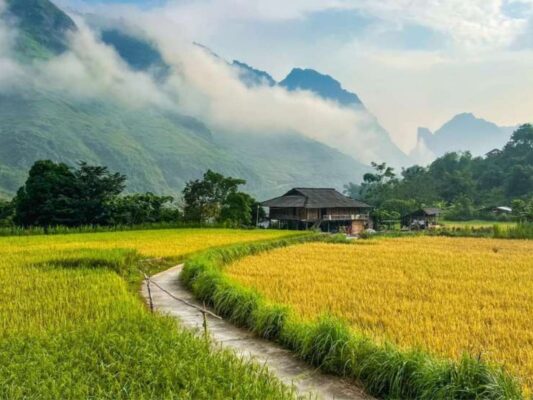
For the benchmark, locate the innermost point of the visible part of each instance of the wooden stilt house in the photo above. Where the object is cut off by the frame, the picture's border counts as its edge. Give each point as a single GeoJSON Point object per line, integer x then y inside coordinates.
{"type": "Point", "coordinates": [318, 208]}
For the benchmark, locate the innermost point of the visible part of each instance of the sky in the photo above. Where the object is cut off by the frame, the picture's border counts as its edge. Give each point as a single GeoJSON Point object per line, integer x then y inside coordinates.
{"type": "Point", "coordinates": [412, 62]}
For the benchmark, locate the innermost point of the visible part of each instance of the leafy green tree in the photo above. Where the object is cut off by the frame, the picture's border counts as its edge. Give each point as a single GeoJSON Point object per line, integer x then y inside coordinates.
{"type": "Point", "coordinates": [205, 198]}
{"type": "Point", "coordinates": [143, 208]}
{"type": "Point", "coordinates": [400, 206]}
{"type": "Point", "coordinates": [48, 196]}
{"type": "Point", "coordinates": [237, 209]}
{"type": "Point", "coordinates": [352, 190]}
{"type": "Point", "coordinates": [96, 187]}
{"type": "Point", "coordinates": [523, 209]}
{"type": "Point", "coordinates": [378, 186]}
{"type": "Point", "coordinates": [520, 181]}
{"type": "Point", "coordinates": [55, 194]}
{"type": "Point", "coordinates": [7, 212]}
{"type": "Point", "coordinates": [521, 139]}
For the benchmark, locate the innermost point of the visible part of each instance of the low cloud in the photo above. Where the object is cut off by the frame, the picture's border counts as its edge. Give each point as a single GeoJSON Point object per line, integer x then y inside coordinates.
{"type": "Point", "coordinates": [93, 70]}
{"type": "Point", "coordinates": [211, 90]}
{"type": "Point", "coordinates": [199, 85]}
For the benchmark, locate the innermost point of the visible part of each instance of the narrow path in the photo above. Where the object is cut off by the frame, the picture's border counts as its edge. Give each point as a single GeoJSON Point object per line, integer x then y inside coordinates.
{"type": "Point", "coordinates": [284, 364]}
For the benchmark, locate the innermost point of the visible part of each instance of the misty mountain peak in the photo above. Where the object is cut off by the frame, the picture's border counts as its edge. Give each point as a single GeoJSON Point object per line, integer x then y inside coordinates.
{"type": "Point", "coordinates": [43, 27]}
{"type": "Point", "coordinates": [468, 123]}
{"type": "Point", "coordinates": [424, 133]}
{"type": "Point", "coordinates": [464, 132]}
{"type": "Point", "coordinates": [323, 85]}
{"type": "Point", "coordinates": [252, 76]}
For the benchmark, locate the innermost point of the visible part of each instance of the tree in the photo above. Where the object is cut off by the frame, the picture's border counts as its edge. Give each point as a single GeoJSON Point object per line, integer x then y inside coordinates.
{"type": "Point", "coordinates": [204, 198]}
{"type": "Point", "coordinates": [7, 212]}
{"type": "Point", "coordinates": [352, 190]}
{"type": "Point", "coordinates": [237, 209]}
{"type": "Point", "coordinates": [142, 208]}
{"type": "Point", "coordinates": [47, 197]}
{"type": "Point", "coordinates": [520, 181]}
{"type": "Point", "coordinates": [521, 138]}
{"type": "Point", "coordinates": [55, 194]}
{"type": "Point", "coordinates": [96, 186]}
{"type": "Point", "coordinates": [523, 209]}
{"type": "Point", "coordinates": [378, 186]}
{"type": "Point", "coordinates": [399, 206]}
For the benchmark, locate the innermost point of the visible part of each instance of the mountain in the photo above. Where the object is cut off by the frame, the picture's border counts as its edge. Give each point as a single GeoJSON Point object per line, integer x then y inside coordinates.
{"type": "Point", "coordinates": [42, 28]}
{"type": "Point", "coordinates": [253, 77]}
{"type": "Point", "coordinates": [330, 89]}
{"type": "Point", "coordinates": [322, 85]}
{"type": "Point", "coordinates": [327, 88]}
{"type": "Point", "coordinates": [139, 54]}
{"type": "Point", "coordinates": [463, 132]}
{"type": "Point", "coordinates": [159, 150]}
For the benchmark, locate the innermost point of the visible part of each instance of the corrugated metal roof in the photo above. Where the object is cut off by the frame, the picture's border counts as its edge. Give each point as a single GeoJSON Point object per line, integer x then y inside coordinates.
{"type": "Point", "coordinates": [314, 198]}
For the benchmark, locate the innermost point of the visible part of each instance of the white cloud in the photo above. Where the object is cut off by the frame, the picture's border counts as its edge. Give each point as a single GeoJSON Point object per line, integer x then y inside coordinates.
{"type": "Point", "coordinates": [92, 69]}
{"type": "Point", "coordinates": [471, 24]}
{"type": "Point", "coordinates": [200, 85]}
{"type": "Point", "coordinates": [211, 90]}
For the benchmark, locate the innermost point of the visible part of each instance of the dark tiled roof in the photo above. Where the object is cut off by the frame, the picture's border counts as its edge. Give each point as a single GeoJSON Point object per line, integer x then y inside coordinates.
{"type": "Point", "coordinates": [314, 198]}
{"type": "Point", "coordinates": [285, 201]}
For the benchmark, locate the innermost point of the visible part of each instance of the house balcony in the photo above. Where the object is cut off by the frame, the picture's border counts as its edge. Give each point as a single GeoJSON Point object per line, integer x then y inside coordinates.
{"type": "Point", "coordinates": [346, 217]}
{"type": "Point", "coordinates": [327, 217]}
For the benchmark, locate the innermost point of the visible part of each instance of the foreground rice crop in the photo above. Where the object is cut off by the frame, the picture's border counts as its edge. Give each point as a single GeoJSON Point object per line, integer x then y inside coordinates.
{"type": "Point", "coordinates": [446, 296]}
{"type": "Point", "coordinates": [72, 325]}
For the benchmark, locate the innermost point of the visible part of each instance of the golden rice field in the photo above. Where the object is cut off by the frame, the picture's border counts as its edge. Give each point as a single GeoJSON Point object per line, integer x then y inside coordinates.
{"type": "Point", "coordinates": [72, 326]}
{"type": "Point", "coordinates": [37, 295]}
{"type": "Point", "coordinates": [445, 295]}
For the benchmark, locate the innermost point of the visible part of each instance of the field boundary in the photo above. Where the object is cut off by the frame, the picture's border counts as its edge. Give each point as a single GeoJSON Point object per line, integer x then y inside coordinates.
{"type": "Point", "coordinates": [306, 381]}
{"type": "Point", "coordinates": [385, 371]}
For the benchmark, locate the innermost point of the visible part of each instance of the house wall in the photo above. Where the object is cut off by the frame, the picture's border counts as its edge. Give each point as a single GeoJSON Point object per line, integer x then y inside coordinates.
{"type": "Point", "coordinates": [287, 213]}
{"type": "Point", "coordinates": [314, 214]}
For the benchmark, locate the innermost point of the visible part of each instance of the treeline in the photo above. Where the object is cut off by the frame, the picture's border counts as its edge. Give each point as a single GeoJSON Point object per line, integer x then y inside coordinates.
{"type": "Point", "coordinates": [56, 194]}
{"type": "Point", "coordinates": [463, 186]}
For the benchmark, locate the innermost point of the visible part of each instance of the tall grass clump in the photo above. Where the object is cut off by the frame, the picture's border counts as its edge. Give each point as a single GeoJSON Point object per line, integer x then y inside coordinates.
{"type": "Point", "coordinates": [385, 370]}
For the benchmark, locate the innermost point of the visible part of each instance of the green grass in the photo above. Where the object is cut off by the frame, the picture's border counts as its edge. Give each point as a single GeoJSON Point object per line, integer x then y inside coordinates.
{"type": "Point", "coordinates": [477, 223]}
{"type": "Point", "coordinates": [72, 324]}
{"type": "Point", "coordinates": [384, 370]}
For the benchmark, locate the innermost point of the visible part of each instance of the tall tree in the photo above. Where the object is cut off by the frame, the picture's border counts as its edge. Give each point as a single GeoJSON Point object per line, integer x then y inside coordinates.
{"type": "Point", "coordinates": [237, 209]}
{"type": "Point", "coordinates": [96, 186]}
{"type": "Point", "coordinates": [7, 211]}
{"type": "Point", "coordinates": [47, 197]}
{"type": "Point", "coordinates": [204, 198]}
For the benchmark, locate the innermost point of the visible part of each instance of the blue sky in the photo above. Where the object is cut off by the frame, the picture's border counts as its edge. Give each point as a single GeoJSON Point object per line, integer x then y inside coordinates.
{"type": "Point", "coordinates": [413, 62]}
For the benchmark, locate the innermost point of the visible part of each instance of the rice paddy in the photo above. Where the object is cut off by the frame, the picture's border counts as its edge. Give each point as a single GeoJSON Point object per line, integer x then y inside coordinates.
{"type": "Point", "coordinates": [72, 324]}
{"type": "Point", "coordinates": [446, 296]}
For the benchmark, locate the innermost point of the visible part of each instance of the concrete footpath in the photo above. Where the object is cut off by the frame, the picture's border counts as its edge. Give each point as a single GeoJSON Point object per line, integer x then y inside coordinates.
{"type": "Point", "coordinates": [308, 381]}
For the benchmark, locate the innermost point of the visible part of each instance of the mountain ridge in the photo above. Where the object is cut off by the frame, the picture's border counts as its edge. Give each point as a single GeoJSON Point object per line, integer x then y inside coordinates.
{"type": "Point", "coordinates": [463, 132]}
{"type": "Point", "coordinates": [158, 150]}
{"type": "Point", "coordinates": [322, 85]}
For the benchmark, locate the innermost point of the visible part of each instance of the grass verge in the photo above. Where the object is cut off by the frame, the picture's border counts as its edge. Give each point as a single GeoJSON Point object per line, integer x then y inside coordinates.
{"type": "Point", "coordinates": [384, 370]}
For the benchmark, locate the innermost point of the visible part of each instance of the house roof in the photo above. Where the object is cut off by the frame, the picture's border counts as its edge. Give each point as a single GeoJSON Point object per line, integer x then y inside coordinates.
{"type": "Point", "coordinates": [314, 198]}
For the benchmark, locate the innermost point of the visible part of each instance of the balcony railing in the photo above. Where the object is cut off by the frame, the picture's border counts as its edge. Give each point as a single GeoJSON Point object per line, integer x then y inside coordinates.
{"type": "Point", "coordinates": [346, 217]}
{"type": "Point", "coordinates": [327, 217]}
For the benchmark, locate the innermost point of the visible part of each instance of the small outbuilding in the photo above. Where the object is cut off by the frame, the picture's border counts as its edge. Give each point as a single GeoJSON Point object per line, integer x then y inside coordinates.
{"type": "Point", "coordinates": [421, 219]}
{"type": "Point", "coordinates": [318, 208]}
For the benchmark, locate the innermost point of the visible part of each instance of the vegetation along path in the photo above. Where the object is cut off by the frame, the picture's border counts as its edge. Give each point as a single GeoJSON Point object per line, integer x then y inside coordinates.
{"type": "Point", "coordinates": [308, 381]}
